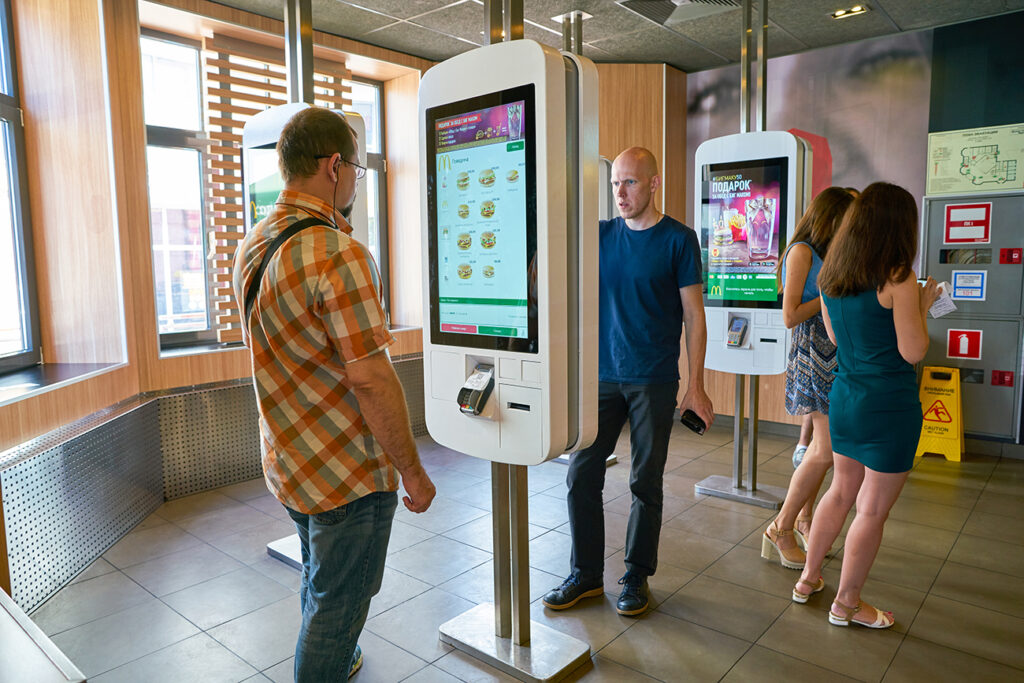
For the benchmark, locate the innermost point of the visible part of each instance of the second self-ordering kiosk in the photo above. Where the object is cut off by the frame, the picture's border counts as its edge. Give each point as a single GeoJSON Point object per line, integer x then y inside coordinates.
{"type": "Point", "coordinates": [751, 190]}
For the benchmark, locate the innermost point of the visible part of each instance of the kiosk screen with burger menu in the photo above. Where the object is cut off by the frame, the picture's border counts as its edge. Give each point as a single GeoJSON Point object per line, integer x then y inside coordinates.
{"type": "Point", "coordinates": [743, 228]}
{"type": "Point", "coordinates": [482, 210]}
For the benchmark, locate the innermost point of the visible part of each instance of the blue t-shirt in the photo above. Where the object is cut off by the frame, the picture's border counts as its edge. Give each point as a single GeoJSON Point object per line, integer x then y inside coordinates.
{"type": "Point", "coordinates": [642, 272]}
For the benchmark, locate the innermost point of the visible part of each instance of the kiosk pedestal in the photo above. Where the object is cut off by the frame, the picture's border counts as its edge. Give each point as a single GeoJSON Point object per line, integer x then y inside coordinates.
{"type": "Point", "coordinates": [502, 633]}
{"type": "Point", "coordinates": [721, 486]}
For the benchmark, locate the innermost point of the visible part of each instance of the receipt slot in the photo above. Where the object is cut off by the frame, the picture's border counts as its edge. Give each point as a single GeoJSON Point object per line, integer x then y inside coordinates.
{"type": "Point", "coordinates": [750, 190]}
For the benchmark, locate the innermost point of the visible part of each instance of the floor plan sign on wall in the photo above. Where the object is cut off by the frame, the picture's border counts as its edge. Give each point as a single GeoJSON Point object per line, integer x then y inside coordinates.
{"type": "Point", "coordinates": [976, 160]}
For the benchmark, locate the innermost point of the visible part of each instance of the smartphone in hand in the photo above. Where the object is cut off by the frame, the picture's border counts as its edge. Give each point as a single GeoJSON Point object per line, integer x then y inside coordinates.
{"type": "Point", "coordinates": [693, 421]}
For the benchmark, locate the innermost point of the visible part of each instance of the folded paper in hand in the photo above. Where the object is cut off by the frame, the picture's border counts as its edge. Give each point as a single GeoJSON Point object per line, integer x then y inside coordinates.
{"type": "Point", "coordinates": [944, 303]}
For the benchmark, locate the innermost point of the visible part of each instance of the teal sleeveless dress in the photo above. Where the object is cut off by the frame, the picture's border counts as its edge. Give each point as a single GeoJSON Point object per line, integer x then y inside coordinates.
{"type": "Point", "coordinates": [875, 415]}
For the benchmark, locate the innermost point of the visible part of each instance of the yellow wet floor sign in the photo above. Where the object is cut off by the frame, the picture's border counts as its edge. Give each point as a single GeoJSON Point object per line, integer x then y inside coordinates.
{"type": "Point", "coordinates": [942, 430]}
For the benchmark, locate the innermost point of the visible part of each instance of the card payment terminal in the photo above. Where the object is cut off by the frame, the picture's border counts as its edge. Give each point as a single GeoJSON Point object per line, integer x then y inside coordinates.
{"type": "Point", "coordinates": [737, 332]}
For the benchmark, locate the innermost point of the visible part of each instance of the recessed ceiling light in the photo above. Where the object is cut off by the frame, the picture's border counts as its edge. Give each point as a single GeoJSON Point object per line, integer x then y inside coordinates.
{"type": "Point", "coordinates": [584, 15]}
{"type": "Point", "coordinates": [851, 12]}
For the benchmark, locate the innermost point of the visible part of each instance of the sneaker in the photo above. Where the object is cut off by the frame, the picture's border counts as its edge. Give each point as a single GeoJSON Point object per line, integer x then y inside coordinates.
{"type": "Point", "coordinates": [570, 592]}
{"type": "Point", "coordinates": [357, 661]}
{"type": "Point", "coordinates": [798, 455]}
{"type": "Point", "coordinates": [634, 597]}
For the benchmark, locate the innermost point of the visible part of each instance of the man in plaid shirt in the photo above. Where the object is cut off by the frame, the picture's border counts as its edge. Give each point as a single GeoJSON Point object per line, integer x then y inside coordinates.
{"type": "Point", "coordinates": [333, 420]}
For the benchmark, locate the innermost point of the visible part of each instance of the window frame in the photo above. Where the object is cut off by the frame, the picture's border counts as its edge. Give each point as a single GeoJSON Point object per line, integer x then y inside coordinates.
{"type": "Point", "coordinates": [195, 140]}
{"type": "Point", "coordinates": [11, 113]}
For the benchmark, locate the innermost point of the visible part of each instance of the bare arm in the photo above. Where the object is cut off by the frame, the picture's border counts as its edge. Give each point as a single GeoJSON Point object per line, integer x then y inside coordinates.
{"type": "Point", "coordinates": [798, 266]}
{"type": "Point", "coordinates": [695, 397]}
{"type": "Point", "coordinates": [382, 405]}
{"type": "Point", "coordinates": [910, 304]}
{"type": "Point", "coordinates": [828, 321]}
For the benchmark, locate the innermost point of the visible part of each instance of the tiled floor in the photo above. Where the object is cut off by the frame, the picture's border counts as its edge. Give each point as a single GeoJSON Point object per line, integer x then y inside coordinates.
{"type": "Point", "coordinates": [190, 594]}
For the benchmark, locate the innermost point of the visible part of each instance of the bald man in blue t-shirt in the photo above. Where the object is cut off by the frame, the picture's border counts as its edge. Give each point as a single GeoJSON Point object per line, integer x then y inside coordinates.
{"type": "Point", "coordinates": [650, 286]}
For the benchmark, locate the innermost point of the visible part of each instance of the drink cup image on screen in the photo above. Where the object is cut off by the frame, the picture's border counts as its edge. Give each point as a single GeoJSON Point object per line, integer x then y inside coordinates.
{"type": "Point", "coordinates": [515, 121]}
{"type": "Point", "coordinates": [760, 226]}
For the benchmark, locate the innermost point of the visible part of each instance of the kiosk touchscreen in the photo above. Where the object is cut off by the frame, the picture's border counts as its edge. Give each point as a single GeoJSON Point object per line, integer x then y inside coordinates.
{"type": "Point", "coordinates": [510, 262]}
{"type": "Point", "coordinates": [262, 179]}
{"type": "Point", "coordinates": [751, 192]}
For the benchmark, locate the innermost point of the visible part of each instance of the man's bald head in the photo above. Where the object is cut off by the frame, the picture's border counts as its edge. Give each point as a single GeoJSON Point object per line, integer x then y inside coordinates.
{"type": "Point", "coordinates": [639, 161]}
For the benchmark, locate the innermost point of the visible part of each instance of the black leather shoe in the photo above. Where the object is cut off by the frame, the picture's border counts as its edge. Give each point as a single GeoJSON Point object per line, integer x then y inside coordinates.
{"type": "Point", "coordinates": [633, 600]}
{"type": "Point", "coordinates": [570, 592]}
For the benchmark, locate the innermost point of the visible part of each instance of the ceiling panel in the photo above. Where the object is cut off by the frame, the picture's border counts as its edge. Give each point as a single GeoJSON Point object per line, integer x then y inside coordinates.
{"type": "Point", "coordinates": [810, 22]}
{"type": "Point", "coordinates": [416, 40]}
{"type": "Point", "coordinates": [915, 14]}
{"type": "Point", "coordinates": [340, 19]}
{"type": "Point", "coordinates": [658, 44]}
{"type": "Point", "coordinates": [721, 33]}
{"type": "Point", "coordinates": [609, 19]}
{"type": "Point", "coordinates": [403, 9]}
{"type": "Point", "coordinates": [465, 20]}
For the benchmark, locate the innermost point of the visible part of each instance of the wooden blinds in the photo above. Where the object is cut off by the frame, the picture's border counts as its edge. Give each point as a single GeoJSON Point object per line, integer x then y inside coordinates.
{"type": "Point", "coordinates": [243, 79]}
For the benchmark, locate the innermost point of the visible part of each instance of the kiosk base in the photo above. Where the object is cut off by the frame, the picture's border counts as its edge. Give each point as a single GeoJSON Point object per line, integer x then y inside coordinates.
{"type": "Point", "coordinates": [721, 486]}
{"type": "Point", "coordinates": [287, 550]}
{"type": "Point", "coordinates": [549, 656]}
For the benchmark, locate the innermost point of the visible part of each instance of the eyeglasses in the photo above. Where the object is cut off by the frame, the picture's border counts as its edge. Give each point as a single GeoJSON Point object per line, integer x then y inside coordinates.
{"type": "Point", "coordinates": [360, 170]}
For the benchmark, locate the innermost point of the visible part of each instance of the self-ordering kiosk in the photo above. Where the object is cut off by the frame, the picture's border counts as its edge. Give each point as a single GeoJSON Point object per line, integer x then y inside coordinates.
{"type": "Point", "coordinates": [509, 221]}
{"type": "Point", "coordinates": [751, 190]}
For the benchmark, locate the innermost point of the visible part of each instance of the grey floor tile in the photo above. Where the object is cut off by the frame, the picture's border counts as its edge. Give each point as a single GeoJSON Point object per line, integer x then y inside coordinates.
{"type": "Point", "coordinates": [97, 568]}
{"type": "Point", "coordinates": [760, 664]}
{"type": "Point", "coordinates": [477, 585]}
{"type": "Point", "coordinates": [384, 662]}
{"type": "Point", "coordinates": [944, 494]}
{"type": "Point", "coordinates": [479, 533]}
{"type": "Point", "coordinates": [285, 574]}
{"type": "Point", "coordinates": [1007, 505]}
{"type": "Point", "coordinates": [229, 519]}
{"type": "Point", "coordinates": [446, 479]}
{"type": "Point", "coordinates": [723, 525]}
{"type": "Point", "coordinates": [981, 588]}
{"type": "Point", "coordinates": [946, 517]}
{"type": "Point", "coordinates": [196, 504]}
{"type": "Point", "coordinates": [594, 620]}
{"type": "Point", "coordinates": [803, 632]}
{"type": "Point", "coordinates": [919, 660]}
{"type": "Point", "coordinates": [182, 569]}
{"type": "Point", "coordinates": [199, 658]}
{"type": "Point", "coordinates": [225, 597]}
{"type": "Point", "coordinates": [413, 625]}
{"type": "Point", "coordinates": [150, 522]}
{"type": "Point", "coordinates": [918, 538]}
{"type": "Point", "coordinates": [1005, 558]}
{"type": "Point", "coordinates": [265, 637]}
{"type": "Point", "coordinates": [550, 553]}
{"type": "Point", "coordinates": [431, 674]}
{"type": "Point", "coordinates": [245, 490]}
{"type": "Point", "coordinates": [465, 668]}
{"type": "Point", "coordinates": [396, 588]}
{"type": "Point", "coordinates": [139, 546]}
{"type": "Point", "coordinates": [666, 580]}
{"type": "Point", "coordinates": [742, 508]}
{"type": "Point", "coordinates": [270, 506]}
{"type": "Point", "coordinates": [900, 568]}
{"type": "Point", "coordinates": [725, 607]}
{"type": "Point", "coordinates": [80, 603]}
{"type": "Point", "coordinates": [478, 467]}
{"type": "Point", "coordinates": [258, 678]}
{"type": "Point", "coordinates": [437, 559]}
{"type": "Point", "coordinates": [444, 514]}
{"type": "Point", "coordinates": [981, 632]}
{"type": "Point", "coordinates": [688, 550]}
{"type": "Point", "coordinates": [477, 496]}
{"type": "Point", "coordinates": [250, 546]}
{"type": "Point", "coordinates": [603, 670]}
{"type": "Point", "coordinates": [702, 468]}
{"type": "Point", "coordinates": [997, 527]}
{"type": "Point", "coordinates": [117, 639]}
{"type": "Point", "coordinates": [663, 647]}
{"type": "Point", "coordinates": [548, 512]}
{"type": "Point", "coordinates": [282, 672]}
{"type": "Point", "coordinates": [405, 535]}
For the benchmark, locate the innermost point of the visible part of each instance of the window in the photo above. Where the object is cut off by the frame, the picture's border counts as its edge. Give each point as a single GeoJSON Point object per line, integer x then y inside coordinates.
{"type": "Point", "coordinates": [19, 324]}
{"type": "Point", "coordinates": [174, 157]}
{"type": "Point", "coordinates": [367, 101]}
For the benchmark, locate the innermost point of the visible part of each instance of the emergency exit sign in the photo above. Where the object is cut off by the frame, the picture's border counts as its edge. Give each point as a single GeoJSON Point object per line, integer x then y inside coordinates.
{"type": "Point", "coordinates": [968, 223]}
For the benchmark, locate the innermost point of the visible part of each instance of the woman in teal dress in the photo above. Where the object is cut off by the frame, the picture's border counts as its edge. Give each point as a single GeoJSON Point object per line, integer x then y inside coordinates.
{"type": "Point", "coordinates": [876, 313]}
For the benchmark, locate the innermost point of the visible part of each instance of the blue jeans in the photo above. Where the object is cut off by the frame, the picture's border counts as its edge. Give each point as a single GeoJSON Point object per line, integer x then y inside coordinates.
{"type": "Point", "coordinates": [651, 411]}
{"type": "Point", "coordinates": [343, 553]}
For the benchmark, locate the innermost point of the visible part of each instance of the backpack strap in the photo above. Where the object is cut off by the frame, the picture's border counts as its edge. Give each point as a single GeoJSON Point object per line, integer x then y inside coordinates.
{"type": "Point", "coordinates": [283, 236]}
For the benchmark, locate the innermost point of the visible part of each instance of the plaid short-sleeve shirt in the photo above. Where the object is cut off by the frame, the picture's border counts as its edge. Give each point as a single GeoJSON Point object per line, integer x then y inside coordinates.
{"type": "Point", "coordinates": [318, 308]}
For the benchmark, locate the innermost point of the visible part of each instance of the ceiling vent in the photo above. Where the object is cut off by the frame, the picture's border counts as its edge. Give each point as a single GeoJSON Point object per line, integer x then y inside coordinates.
{"type": "Point", "coordinates": [670, 12]}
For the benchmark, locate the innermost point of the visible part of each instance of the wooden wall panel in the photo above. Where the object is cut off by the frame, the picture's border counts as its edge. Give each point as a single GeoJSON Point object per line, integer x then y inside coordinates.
{"type": "Point", "coordinates": [401, 101]}
{"type": "Point", "coordinates": [673, 171]}
{"type": "Point", "coordinates": [67, 145]}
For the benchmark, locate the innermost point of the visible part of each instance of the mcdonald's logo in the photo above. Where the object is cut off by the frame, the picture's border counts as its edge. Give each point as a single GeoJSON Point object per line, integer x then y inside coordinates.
{"type": "Point", "coordinates": [444, 163]}
{"type": "Point", "coordinates": [716, 290]}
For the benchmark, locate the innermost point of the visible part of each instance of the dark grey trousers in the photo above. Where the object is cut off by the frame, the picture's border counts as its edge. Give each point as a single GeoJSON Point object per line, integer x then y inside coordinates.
{"type": "Point", "coordinates": [650, 409]}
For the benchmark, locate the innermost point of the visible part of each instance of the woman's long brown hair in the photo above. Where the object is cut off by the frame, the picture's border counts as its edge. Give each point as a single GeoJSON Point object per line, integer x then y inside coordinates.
{"type": "Point", "coordinates": [876, 243]}
{"type": "Point", "coordinates": [821, 221]}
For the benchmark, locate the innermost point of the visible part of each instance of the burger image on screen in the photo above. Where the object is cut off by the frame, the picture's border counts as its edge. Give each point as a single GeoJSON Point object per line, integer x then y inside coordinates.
{"type": "Point", "coordinates": [487, 209]}
{"type": "Point", "coordinates": [488, 271]}
{"type": "Point", "coordinates": [465, 271]}
{"type": "Point", "coordinates": [512, 176]}
{"type": "Point", "coordinates": [462, 181]}
{"type": "Point", "coordinates": [463, 211]}
{"type": "Point", "coordinates": [464, 241]}
{"type": "Point", "coordinates": [486, 177]}
{"type": "Point", "coordinates": [487, 240]}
